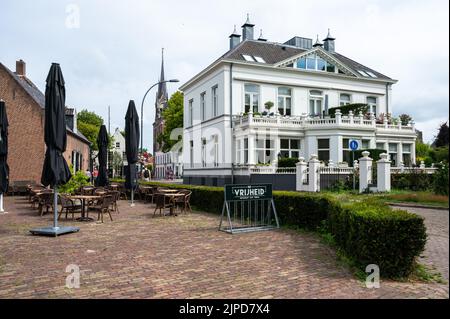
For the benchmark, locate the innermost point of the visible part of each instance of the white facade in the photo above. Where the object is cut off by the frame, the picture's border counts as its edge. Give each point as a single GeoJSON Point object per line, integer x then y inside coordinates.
{"type": "Point", "coordinates": [222, 131]}
{"type": "Point", "coordinates": [168, 165]}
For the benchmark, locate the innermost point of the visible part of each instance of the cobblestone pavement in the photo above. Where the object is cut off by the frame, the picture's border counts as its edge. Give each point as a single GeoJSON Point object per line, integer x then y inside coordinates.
{"type": "Point", "coordinates": [436, 251]}
{"type": "Point", "coordinates": [138, 256]}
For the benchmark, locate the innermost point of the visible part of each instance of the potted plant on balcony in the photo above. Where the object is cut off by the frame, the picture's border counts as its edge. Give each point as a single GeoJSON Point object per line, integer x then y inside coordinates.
{"type": "Point", "coordinates": [268, 105]}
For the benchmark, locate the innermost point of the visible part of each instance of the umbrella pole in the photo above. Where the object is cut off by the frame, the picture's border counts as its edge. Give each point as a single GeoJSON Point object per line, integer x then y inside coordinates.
{"type": "Point", "coordinates": [55, 209]}
{"type": "Point", "coordinates": [132, 198]}
{"type": "Point", "coordinates": [2, 211]}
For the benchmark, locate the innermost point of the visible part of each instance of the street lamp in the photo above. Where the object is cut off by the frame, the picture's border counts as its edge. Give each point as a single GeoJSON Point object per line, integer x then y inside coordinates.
{"type": "Point", "coordinates": [142, 110]}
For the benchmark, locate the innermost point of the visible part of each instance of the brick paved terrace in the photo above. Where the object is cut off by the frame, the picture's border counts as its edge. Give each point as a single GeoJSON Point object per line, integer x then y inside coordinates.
{"type": "Point", "coordinates": [138, 256]}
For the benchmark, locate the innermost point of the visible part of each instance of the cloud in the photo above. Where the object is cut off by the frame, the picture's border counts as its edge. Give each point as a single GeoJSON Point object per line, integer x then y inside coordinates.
{"type": "Point", "coordinates": [115, 54]}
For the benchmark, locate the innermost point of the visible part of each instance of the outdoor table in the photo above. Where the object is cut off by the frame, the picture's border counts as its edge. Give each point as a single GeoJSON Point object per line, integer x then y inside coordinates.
{"type": "Point", "coordinates": [168, 191]}
{"type": "Point", "coordinates": [83, 199]}
{"type": "Point", "coordinates": [171, 196]}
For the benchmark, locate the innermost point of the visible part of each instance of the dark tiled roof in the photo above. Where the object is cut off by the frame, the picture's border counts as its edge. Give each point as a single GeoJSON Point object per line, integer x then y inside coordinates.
{"type": "Point", "coordinates": [39, 97]}
{"type": "Point", "coordinates": [28, 86]}
{"type": "Point", "coordinates": [358, 66]}
{"type": "Point", "coordinates": [273, 53]}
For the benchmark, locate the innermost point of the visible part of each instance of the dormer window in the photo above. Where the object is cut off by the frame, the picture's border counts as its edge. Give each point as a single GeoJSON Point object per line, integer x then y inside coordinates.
{"type": "Point", "coordinates": [315, 63]}
{"type": "Point", "coordinates": [248, 58]}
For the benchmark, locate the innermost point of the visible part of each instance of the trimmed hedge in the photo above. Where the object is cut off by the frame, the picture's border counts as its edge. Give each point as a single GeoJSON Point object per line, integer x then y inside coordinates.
{"type": "Point", "coordinates": [345, 109]}
{"type": "Point", "coordinates": [376, 234]}
{"type": "Point", "coordinates": [369, 233]}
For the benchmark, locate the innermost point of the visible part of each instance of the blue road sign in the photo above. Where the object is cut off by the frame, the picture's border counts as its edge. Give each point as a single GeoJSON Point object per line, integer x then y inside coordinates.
{"type": "Point", "coordinates": [354, 145]}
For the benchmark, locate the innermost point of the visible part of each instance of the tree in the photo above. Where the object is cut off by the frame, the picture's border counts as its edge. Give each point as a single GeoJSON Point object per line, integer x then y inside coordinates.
{"type": "Point", "coordinates": [405, 119]}
{"type": "Point", "coordinates": [88, 123]}
{"type": "Point", "coordinates": [173, 117]}
{"type": "Point", "coordinates": [441, 139]}
{"type": "Point", "coordinates": [117, 162]}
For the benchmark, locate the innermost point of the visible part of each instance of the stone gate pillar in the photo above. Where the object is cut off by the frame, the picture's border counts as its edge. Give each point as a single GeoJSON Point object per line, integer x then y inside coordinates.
{"type": "Point", "coordinates": [300, 174]}
{"type": "Point", "coordinates": [384, 173]}
{"type": "Point", "coordinates": [314, 175]}
{"type": "Point", "coordinates": [365, 171]}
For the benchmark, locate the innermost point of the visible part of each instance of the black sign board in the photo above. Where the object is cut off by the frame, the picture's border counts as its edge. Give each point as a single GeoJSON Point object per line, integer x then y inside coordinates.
{"type": "Point", "coordinates": [248, 192]}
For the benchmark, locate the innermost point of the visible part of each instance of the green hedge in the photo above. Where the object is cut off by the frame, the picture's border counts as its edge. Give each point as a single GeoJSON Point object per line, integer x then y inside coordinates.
{"type": "Point", "coordinates": [374, 153]}
{"type": "Point", "coordinates": [345, 109]}
{"type": "Point", "coordinates": [414, 181]}
{"type": "Point", "coordinates": [375, 234]}
{"type": "Point", "coordinates": [287, 162]}
{"type": "Point", "coordinates": [369, 233]}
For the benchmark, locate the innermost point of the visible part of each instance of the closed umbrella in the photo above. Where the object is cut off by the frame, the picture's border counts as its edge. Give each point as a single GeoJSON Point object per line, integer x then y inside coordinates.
{"type": "Point", "coordinates": [131, 148]}
{"type": "Point", "coordinates": [102, 142]}
{"type": "Point", "coordinates": [4, 169]}
{"type": "Point", "coordinates": [55, 171]}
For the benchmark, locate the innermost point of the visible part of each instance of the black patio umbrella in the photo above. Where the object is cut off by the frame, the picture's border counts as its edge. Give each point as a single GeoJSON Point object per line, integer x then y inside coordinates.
{"type": "Point", "coordinates": [4, 169]}
{"type": "Point", "coordinates": [131, 147]}
{"type": "Point", "coordinates": [102, 143]}
{"type": "Point", "coordinates": [55, 171]}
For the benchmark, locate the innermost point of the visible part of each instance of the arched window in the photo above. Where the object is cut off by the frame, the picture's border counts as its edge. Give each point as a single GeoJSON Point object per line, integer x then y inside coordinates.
{"type": "Point", "coordinates": [284, 100]}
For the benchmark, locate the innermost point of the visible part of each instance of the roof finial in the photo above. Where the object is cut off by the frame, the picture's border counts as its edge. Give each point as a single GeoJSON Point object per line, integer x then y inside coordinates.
{"type": "Point", "coordinates": [261, 37]}
{"type": "Point", "coordinates": [248, 18]}
{"type": "Point", "coordinates": [318, 43]}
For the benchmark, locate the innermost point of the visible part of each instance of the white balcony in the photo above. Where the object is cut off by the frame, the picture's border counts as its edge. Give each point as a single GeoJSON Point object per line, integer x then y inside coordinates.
{"type": "Point", "coordinates": [308, 122]}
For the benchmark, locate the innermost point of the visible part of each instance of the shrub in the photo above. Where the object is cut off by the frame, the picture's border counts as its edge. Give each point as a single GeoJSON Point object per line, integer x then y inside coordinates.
{"type": "Point", "coordinates": [76, 181]}
{"type": "Point", "coordinates": [414, 180]}
{"type": "Point", "coordinates": [345, 109]}
{"type": "Point", "coordinates": [373, 233]}
{"type": "Point", "coordinates": [440, 180]}
{"type": "Point", "coordinates": [287, 161]}
{"type": "Point", "coordinates": [374, 153]}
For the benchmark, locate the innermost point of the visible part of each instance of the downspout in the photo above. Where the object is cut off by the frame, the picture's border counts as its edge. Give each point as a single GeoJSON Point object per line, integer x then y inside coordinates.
{"type": "Point", "coordinates": [231, 123]}
{"type": "Point", "coordinates": [387, 98]}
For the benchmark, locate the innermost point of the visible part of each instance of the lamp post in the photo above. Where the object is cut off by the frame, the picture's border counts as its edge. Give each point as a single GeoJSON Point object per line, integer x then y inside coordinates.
{"type": "Point", "coordinates": [142, 110]}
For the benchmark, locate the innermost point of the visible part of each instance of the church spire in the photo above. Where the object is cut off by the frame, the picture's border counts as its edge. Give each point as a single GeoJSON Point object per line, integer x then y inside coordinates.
{"type": "Point", "coordinates": [162, 95]}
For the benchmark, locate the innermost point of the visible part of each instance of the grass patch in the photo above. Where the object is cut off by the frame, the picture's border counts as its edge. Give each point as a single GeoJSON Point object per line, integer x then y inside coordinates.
{"type": "Point", "coordinates": [424, 198]}
{"type": "Point", "coordinates": [426, 274]}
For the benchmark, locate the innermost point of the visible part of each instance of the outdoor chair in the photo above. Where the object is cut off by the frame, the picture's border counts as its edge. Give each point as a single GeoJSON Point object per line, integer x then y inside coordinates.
{"type": "Point", "coordinates": [102, 207]}
{"type": "Point", "coordinates": [149, 195]}
{"type": "Point", "coordinates": [115, 197]}
{"type": "Point", "coordinates": [161, 203]}
{"type": "Point", "coordinates": [45, 201]}
{"type": "Point", "coordinates": [68, 206]}
{"type": "Point", "coordinates": [87, 190]}
{"type": "Point", "coordinates": [183, 202]}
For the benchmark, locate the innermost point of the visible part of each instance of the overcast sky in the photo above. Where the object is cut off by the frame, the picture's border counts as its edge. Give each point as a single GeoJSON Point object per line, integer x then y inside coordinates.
{"type": "Point", "coordinates": [112, 53]}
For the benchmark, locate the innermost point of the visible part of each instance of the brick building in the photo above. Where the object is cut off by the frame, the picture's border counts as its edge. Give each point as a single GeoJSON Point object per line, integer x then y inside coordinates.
{"type": "Point", "coordinates": [25, 105]}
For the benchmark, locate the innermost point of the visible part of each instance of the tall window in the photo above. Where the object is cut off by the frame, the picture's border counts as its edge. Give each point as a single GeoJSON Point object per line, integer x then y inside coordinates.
{"type": "Point", "coordinates": [245, 150]}
{"type": "Point", "coordinates": [323, 148]}
{"type": "Point", "coordinates": [265, 150]}
{"type": "Point", "coordinates": [216, 150]}
{"type": "Point", "coordinates": [344, 99]}
{"type": "Point", "coordinates": [203, 152]}
{"type": "Point", "coordinates": [215, 101]}
{"type": "Point", "coordinates": [393, 154]}
{"type": "Point", "coordinates": [365, 144]}
{"type": "Point", "coordinates": [289, 147]}
{"type": "Point", "coordinates": [380, 146]}
{"type": "Point", "coordinates": [315, 102]}
{"type": "Point", "coordinates": [191, 153]}
{"type": "Point", "coordinates": [407, 154]}
{"type": "Point", "coordinates": [202, 105]}
{"type": "Point", "coordinates": [346, 151]}
{"type": "Point", "coordinates": [251, 98]}
{"type": "Point", "coordinates": [284, 100]}
{"type": "Point", "coordinates": [238, 151]}
{"type": "Point", "coordinates": [372, 103]}
{"type": "Point", "coordinates": [191, 112]}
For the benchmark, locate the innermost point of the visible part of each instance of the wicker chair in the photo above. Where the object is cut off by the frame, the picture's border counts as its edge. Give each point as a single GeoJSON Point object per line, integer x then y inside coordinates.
{"type": "Point", "coordinates": [69, 206]}
{"type": "Point", "coordinates": [103, 206]}
{"type": "Point", "coordinates": [161, 203]}
{"type": "Point", "coordinates": [184, 202]}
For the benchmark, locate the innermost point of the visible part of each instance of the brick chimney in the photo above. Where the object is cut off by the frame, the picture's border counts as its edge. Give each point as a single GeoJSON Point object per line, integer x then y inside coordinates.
{"type": "Point", "coordinates": [21, 68]}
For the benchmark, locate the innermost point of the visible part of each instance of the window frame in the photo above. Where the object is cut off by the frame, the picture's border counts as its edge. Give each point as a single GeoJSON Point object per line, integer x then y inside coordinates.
{"type": "Point", "coordinates": [215, 100]}
{"type": "Point", "coordinates": [319, 150]}
{"type": "Point", "coordinates": [251, 96]}
{"type": "Point", "coordinates": [345, 102]}
{"type": "Point", "coordinates": [203, 105]}
{"type": "Point", "coordinates": [284, 98]}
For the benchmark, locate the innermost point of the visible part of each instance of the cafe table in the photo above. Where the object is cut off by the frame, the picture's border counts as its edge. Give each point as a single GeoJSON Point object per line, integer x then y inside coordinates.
{"type": "Point", "coordinates": [171, 196]}
{"type": "Point", "coordinates": [83, 199]}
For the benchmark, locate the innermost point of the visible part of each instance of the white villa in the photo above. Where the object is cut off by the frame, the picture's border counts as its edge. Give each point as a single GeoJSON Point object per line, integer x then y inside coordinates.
{"type": "Point", "coordinates": [227, 124]}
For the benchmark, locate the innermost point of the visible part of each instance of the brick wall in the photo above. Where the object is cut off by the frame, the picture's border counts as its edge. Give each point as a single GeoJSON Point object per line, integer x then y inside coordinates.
{"type": "Point", "coordinates": [76, 144]}
{"type": "Point", "coordinates": [26, 131]}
